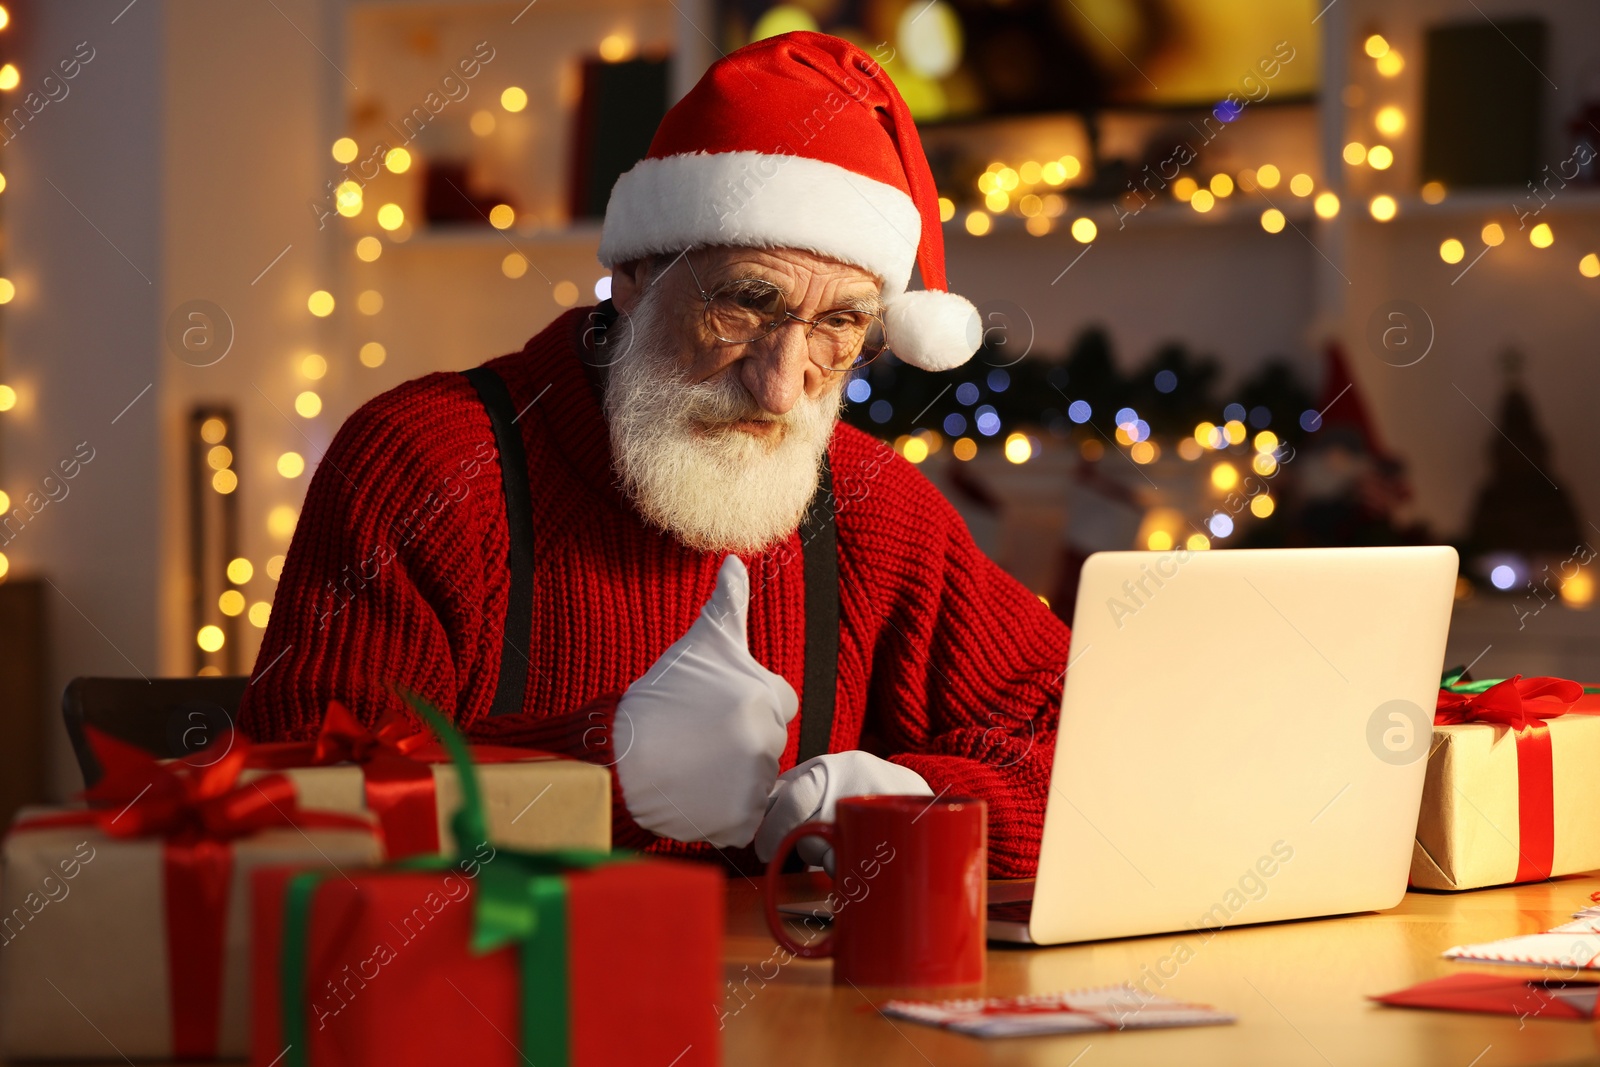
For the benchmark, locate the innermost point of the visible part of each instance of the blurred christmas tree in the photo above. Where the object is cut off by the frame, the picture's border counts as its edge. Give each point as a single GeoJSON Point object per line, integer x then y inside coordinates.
{"type": "Point", "coordinates": [1520, 509]}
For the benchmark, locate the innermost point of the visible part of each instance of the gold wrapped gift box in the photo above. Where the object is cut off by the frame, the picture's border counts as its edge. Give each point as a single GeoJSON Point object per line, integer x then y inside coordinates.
{"type": "Point", "coordinates": [1470, 832]}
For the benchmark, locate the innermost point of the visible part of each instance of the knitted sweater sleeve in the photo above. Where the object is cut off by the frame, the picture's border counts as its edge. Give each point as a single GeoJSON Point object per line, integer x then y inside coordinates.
{"type": "Point", "coordinates": [376, 587]}
{"type": "Point", "coordinates": [967, 673]}
{"type": "Point", "coordinates": [396, 575]}
{"type": "Point", "coordinates": [396, 580]}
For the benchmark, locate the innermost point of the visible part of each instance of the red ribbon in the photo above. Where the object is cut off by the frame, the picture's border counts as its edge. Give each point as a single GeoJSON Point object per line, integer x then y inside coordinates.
{"type": "Point", "coordinates": [396, 779]}
{"type": "Point", "coordinates": [1522, 704]}
{"type": "Point", "coordinates": [199, 811]}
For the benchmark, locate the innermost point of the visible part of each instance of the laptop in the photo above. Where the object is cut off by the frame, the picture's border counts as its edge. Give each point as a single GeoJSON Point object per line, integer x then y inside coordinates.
{"type": "Point", "coordinates": [1243, 739]}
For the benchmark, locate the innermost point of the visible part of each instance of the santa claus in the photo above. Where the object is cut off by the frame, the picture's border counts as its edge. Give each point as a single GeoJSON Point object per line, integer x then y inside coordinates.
{"type": "Point", "coordinates": [645, 540]}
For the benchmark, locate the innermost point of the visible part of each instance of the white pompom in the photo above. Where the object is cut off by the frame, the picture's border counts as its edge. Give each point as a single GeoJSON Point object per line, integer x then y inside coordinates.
{"type": "Point", "coordinates": [933, 329]}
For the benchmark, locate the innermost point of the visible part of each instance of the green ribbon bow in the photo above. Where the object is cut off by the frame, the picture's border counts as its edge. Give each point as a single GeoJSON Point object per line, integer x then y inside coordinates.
{"type": "Point", "coordinates": [1452, 681]}
{"type": "Point", "coordinates": [521, 899]}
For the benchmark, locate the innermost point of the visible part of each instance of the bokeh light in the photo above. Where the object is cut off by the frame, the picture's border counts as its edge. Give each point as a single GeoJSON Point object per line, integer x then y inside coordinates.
{"type": "Point", "coordinates": [281, 520]}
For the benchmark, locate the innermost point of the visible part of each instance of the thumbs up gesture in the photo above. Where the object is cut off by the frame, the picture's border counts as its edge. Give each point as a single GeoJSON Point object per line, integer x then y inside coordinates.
{"type": "Point", "coordinates": [701, 732]}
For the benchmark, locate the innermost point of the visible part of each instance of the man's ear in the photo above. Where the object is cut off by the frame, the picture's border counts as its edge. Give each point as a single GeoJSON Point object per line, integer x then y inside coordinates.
{"type": "Point", "coordinates": [628, 282]}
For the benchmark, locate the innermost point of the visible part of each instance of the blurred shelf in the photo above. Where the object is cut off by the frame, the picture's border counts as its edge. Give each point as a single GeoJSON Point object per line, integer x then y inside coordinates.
{"type": "Point", "coordinates": [1167, 215]}
{"type": "Point", "coordinates": [1502, 203]}
{"type": "Point", "coordinates": [584, 234]}
{"type": "Point", "coordinates": [510, 8]}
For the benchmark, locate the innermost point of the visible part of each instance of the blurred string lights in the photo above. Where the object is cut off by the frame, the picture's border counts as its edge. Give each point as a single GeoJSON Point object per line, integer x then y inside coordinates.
{"type": "Point", "coordinates": [1388, 121]}
{"type": "Point", "coordinates": [1036, 191]}
{"type": "Point", "coordinates": [10, 78]}
{"type": "Point", "coordinates": [1238, 451]}
{"type": "Point", "coordinates": [376, 209]}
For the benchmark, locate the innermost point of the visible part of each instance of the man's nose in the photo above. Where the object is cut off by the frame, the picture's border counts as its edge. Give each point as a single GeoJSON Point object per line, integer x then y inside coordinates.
{"type": "Point", "coordinates": [775, 368]}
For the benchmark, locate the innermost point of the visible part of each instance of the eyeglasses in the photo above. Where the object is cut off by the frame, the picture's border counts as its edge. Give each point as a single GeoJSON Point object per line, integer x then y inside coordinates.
{"type": "Point", "coordinates": [748, 309]}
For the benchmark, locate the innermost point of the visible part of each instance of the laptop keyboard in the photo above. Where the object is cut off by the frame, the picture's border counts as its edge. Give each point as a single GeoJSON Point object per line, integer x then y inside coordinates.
{"type": "Point", "coordinates": [1011, 911]}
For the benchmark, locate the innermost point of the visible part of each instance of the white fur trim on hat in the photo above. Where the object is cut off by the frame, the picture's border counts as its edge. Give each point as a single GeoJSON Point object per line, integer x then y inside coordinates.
{"type": "Point", "coordinates": [933, 329]}
{"type": "Point", "coordinates": [762, 200]}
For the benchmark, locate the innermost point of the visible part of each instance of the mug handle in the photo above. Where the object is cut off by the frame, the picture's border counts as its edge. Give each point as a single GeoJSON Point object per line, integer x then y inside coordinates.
{"type": "Point", "coordinates": [823, 948]}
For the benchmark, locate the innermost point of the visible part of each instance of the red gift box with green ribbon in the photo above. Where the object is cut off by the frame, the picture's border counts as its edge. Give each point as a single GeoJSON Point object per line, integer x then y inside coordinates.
{"type": "Point", "coordinates": [491, 957]}
{"type": "Point", "coordinates": [126, 924]}
{"type": "Point", "coordinates": [1511, 793]}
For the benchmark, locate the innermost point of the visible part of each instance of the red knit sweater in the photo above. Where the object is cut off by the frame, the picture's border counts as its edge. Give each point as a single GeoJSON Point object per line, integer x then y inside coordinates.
{"type": "Point", "coordinates": [397, 577]}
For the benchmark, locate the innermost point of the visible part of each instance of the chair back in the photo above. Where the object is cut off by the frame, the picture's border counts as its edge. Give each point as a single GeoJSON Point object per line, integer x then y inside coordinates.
{"type": "Point", "coordinates": [167, 717]}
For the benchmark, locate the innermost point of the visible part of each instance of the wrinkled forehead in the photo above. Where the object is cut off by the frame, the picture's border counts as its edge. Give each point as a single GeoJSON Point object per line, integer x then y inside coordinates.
{"type": "Point", "coordinates": [801, 274]}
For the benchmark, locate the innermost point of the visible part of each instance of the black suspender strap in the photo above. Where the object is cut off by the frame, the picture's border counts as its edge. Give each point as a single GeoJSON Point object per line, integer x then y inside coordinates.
{"type": "Point", "coordinates": [820, 552]}
{"type": "Point", "coordinates": [510, 692]}
{"type": "Point", "coordinates": [820, 549]}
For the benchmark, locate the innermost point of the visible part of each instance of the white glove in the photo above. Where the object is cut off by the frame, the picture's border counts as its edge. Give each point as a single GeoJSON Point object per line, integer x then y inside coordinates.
{"type": "Point", "coordinates": [701, 732]}
{"type": "Point", "coordinates": [810, 791]}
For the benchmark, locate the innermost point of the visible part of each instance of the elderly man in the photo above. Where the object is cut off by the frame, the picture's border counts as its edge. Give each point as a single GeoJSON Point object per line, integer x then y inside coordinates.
{"type": "Point", "coordinates": [646, 541]}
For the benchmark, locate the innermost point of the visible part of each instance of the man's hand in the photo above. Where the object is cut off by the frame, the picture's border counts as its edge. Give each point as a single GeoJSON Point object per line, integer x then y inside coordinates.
{"type": "Point", "coordinates": [700, 734]}
{"type": "Point", "coordinates": [810, 791]}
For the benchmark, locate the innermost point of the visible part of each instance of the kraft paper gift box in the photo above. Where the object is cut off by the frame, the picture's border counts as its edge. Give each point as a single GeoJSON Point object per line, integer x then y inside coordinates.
{"type": "Point", "coordinates": [492, 957]}
{"type": "Point", "coordinates": [534, 800]}
{"type": "Point", "coordinates": [1512, 792]}
{"type": "Point", "coordinates": [125, 929]}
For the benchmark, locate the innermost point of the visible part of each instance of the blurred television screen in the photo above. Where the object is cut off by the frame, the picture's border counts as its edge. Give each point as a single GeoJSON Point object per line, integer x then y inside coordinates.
{"type": "Point", "coordinates": [962, 59]}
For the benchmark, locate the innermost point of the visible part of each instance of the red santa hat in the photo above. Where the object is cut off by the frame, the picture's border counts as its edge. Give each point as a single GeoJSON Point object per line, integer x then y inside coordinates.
{"type": "Point", "coordinates": [801, 141]}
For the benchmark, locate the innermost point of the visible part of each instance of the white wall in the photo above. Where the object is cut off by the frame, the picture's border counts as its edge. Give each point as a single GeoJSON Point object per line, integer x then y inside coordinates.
{"type": "Point", "coordinates": [84, 244]}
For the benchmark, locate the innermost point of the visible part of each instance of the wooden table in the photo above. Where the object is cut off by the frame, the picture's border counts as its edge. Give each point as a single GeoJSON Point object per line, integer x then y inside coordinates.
{"type": "Point", "coordinates": [1299, 990]}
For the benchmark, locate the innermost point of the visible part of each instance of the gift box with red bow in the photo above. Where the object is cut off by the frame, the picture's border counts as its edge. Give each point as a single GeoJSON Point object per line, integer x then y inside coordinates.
{"type": "Point", "coordinates": [125, 925]}
{"type": "Point", "coordinates": [491, 956]}
{"type": "Point", "coordinates": [398, 771]}
{"type": "Point", "coordinates": [1511, 793]}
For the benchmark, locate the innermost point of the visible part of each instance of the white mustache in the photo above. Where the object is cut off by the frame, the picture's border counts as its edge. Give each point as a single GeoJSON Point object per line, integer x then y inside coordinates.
{"type": "Point", "coordinates": [682, 463]}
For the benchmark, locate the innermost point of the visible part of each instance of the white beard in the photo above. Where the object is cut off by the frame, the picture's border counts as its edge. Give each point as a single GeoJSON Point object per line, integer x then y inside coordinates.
{"type": "Point", "coordinates": [687, 471]}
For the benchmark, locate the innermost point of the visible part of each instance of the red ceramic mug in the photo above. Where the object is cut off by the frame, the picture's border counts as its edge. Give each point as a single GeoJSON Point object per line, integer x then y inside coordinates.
{"type": "Point", "coordinates": [910, 891]}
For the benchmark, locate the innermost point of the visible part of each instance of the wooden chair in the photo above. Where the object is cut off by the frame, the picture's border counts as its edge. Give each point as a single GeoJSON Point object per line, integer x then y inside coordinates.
{"type": "Point", "coordinates": [167, 717]}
